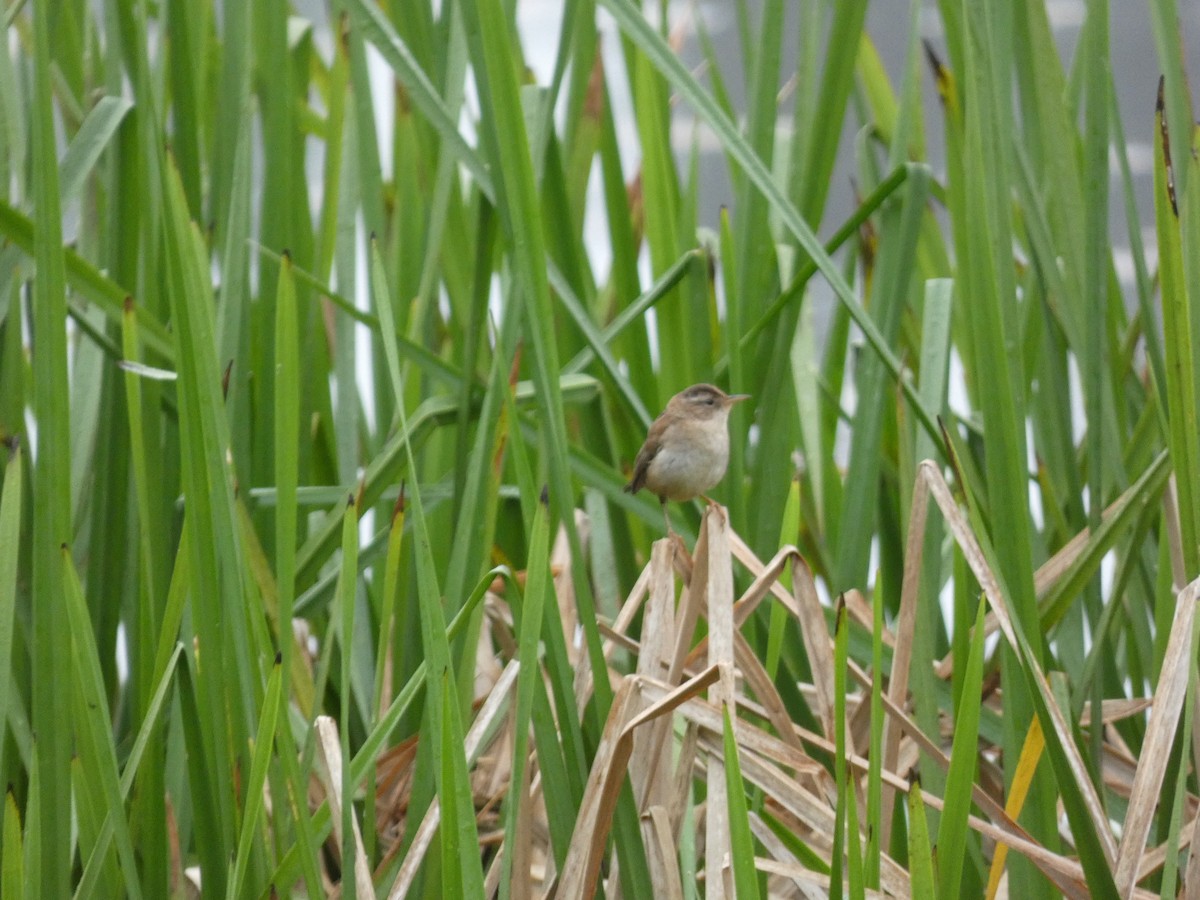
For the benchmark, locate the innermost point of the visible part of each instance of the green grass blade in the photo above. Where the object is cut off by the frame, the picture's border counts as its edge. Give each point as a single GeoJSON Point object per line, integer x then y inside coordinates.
{"type": "Point", "coordinates": [387, 322]}
{"type": "Point", "coordinates": [100, 757]}
{"type": "Point", "coordinates": [779, 614]}
{"type": "Point", "coordinates": [12, 874]}
{"type": "Point", "coordinates": [287, 455]}
{"type": "Point", "coordinates": [51, 482]}
{"type": "Point", "coordinates": [960, 781]}
{"type": "Point", "coordinates": [346, 596]}
{"type": "Point", "coordinates": [1180, 337]}
{"type": "Point", "coordinates": [263, 743]}
{"type": "Point", "coordinates": [10, 546]}
{"type": "Point", "coordinates": [1177, 99]}
{"type": "Point", "coordinates": [875, 811]}
{"type": "Point", "coordinates": [114, 817]}
{"type": "Point", "coordinates": [90, 142]}
{"type": "Point", "coordinates": [529, 629]}
{"type": "Point", "coordinates": [449, 831]}
{"type": "Point", "coordinates": [745, 876]}
{"type": "Point", "coordinates": [33, 833]}
{"type": "Point", "coordinates": [845, 791]}
{"type": "Point", "coordinates": [215, 567]}
{"type": "Point", "coordinates": [920, 857]}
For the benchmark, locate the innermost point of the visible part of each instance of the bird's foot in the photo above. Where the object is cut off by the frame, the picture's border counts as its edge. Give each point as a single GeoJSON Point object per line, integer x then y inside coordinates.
{"type": "Point", "coordinates": [713, 504]}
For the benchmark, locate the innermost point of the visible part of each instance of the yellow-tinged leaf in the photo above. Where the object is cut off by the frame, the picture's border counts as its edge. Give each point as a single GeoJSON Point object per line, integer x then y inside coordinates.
{"type": "Point", "coordinates": [1031, 754]}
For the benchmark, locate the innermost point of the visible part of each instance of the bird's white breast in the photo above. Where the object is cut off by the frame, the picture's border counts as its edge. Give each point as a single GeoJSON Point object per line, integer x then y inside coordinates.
{"type": "Point", "coordinates": [684, 468]}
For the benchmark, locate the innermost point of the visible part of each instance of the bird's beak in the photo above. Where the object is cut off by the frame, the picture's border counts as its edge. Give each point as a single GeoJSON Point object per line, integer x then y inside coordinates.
{"type": "Point", "coordinates": [737, 398]}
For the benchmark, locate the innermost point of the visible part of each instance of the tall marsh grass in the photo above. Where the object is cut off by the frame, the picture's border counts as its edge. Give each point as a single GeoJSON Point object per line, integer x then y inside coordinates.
{"type": "Point", "coordinates": [316, 574]}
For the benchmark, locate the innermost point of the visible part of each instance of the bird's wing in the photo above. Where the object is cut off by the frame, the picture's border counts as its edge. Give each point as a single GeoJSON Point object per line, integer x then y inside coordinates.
{"type": "Point", "coordinates": [642, 465]}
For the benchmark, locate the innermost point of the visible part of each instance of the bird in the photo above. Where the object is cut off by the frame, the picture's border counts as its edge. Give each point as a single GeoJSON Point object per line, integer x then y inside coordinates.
{"type": "Point", "coordinates": [687, 447]}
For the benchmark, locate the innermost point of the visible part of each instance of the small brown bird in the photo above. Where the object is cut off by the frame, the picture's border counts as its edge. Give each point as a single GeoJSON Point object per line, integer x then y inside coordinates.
{"type": "Point", "coordinates": [687, 447]}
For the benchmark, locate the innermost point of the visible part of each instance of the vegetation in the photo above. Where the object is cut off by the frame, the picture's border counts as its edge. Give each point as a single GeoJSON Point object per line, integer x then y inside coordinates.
{"type": "Point", "coordinates": [315, 569]}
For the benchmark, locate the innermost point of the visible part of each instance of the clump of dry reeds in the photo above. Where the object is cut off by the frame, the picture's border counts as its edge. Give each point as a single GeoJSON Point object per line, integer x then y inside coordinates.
{"type": "Point", "coordinates": [689, 687]}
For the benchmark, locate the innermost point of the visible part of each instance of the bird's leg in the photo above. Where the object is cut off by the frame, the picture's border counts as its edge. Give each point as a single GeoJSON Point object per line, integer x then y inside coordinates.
{"type": "Point", "coordinates": [683, 559]}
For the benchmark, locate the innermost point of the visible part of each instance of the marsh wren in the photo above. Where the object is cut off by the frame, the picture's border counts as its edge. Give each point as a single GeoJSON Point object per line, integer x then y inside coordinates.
{"type": "Point", "coordinates": [687, 447]}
